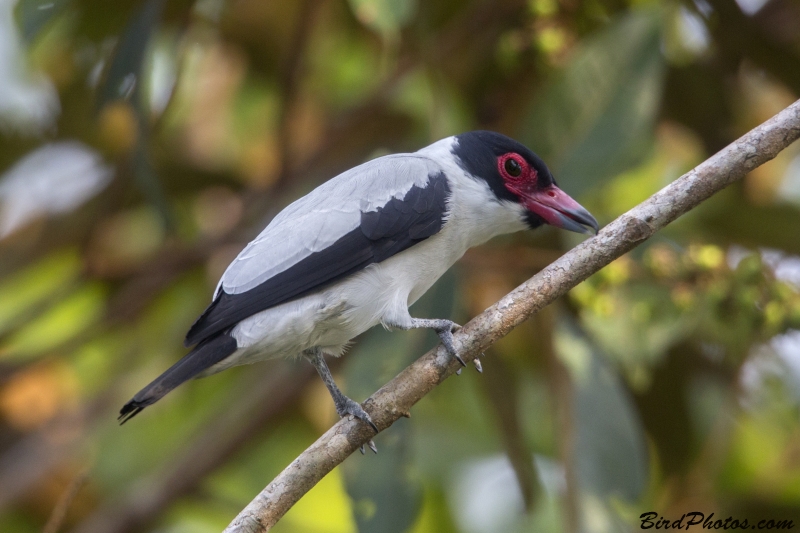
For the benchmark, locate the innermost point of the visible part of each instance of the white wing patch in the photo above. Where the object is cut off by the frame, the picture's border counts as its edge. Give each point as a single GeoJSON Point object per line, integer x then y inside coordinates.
{"type": "Point", "coordinates": [323, 216]}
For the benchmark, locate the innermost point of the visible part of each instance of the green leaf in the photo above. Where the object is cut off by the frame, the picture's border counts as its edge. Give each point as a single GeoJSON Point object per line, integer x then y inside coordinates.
{"type": "Point", "coordinates": [609, 450]}
{"type": "Point", "coordinates": [386, 496]}
{"type": "Point", "coordinates": [33, 15]}
{"type": "Point", "coordinates": [61, 323]}
{"type": "Point", "coordinates": [641, 325]}
{"type": "Point", "coordinates": [123, 76]}
{"type": "Point", "coordinates": [22, 292]}
{"type": "Point", "coordinates": [123, 81]}
{"type": "Point", "coordinates": [597, 118]}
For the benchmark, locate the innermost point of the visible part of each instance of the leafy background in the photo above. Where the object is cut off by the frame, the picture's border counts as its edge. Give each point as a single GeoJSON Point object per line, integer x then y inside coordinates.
{"type": "Point", "coordinates": [143, 143]}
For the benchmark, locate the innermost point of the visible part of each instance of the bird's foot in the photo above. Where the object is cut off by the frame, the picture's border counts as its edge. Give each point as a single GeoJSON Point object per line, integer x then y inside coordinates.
{"type": "Point", "coordinates": [445, 332]}
{"type": "Point", "coordinates": [444, 328]}
{"type": "Point", "coordinates": [347, 407]}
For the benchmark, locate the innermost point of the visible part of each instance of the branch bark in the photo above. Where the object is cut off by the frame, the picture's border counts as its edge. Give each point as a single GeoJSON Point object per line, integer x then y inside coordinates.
{"type": "Point", "coordinates": [629, 230]}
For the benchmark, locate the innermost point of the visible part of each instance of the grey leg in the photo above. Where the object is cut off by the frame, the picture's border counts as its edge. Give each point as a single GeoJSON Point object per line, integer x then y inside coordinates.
{"type": "Point", "coordinates": [444, 328]}
{"type": "Point", "coordinates": [344, 405]}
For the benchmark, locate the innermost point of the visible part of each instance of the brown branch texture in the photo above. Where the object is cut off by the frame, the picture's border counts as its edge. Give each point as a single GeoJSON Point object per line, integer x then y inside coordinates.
{"type": "Point", "coordinates": [396, 398]}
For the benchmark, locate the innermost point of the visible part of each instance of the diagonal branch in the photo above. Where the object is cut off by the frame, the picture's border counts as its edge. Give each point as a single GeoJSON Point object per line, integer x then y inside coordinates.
{"type": "Point", "coordinates": [395, 398]}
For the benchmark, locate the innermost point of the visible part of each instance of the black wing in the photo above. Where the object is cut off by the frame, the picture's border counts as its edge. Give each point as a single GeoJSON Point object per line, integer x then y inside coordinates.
{"type": "Point", "coordinates": [390, 229]}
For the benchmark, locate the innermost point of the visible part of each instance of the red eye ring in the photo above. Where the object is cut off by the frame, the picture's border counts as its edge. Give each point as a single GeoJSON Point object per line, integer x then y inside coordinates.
{"type": "Point", "coordinates": [512, 167]}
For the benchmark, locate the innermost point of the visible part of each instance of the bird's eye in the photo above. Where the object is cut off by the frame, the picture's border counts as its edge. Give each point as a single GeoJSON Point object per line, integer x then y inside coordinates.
{"type": "Point", "coordinates": [512, 167]}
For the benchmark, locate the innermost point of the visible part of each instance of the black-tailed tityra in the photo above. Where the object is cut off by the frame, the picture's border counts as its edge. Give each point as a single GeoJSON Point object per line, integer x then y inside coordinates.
{"type": "Point", "coordinates": [359, 249]}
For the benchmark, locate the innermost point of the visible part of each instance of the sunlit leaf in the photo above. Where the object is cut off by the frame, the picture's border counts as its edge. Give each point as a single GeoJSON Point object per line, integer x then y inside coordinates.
{"type": "Point", "coordinates": [94, 363]}
{"type": "Point", "coordinates": [435, 516]}
{"type": "Point", "coordinates": [22, 291]}
{"type": "Point", "coordinates": [59, 324]}
{"type": "Point", "coordinates": [195, 516]}
{"type": "Point", "coordinates": [637, 323]}
{"type": "Point", "coordinates": [757, 464]}
{"type": "Point", "coordinates": [326, 508]}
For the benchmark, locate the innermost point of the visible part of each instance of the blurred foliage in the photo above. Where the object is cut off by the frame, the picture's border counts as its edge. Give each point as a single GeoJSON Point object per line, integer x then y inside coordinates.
{"type": "Point", "coordinates": [143, 143]}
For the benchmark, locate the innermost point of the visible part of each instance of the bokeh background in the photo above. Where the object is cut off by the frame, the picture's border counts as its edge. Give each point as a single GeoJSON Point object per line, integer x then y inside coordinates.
{"type": "Point", "coordinates": [144, 143]}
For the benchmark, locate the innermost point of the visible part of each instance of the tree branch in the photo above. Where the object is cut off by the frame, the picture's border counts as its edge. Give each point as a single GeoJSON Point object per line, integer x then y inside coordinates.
{"type": "Point", "coordinates": [395, 398]}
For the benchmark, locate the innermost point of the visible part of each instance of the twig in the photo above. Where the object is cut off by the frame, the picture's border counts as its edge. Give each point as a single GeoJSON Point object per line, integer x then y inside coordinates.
{"type": "Point", "coordinates": [562, 392]}
{"type": "Point", "coordinates": [34, 456]}
{"type": "Point", "coordinates": [396, 398]}
{"type": "Point", "coordinates": [290, 77]}
{"type": "Point", "coordinates": [62, 506]}
{"type": "Point", "coordinates": [500, 384]}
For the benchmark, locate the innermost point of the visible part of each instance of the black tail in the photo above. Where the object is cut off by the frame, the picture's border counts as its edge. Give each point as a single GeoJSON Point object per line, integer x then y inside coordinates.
{"type": "Point", "coordinates": [205, 355]}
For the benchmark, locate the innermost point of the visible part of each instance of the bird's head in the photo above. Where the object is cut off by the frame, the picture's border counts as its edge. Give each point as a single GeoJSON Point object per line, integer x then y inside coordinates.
{"type": "Point", "coordinates": [514, 173]}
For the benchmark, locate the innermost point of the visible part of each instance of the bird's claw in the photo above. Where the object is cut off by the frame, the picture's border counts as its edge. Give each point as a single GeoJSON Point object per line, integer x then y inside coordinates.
{"type": "Point", "coordinates": [476, 362]}
{"type": "Point", "coordinates": [446, 336]}
{"type": "Point", "coordinates": [371, 445]}
{"type": "Point", "coordinates": [348, 407]}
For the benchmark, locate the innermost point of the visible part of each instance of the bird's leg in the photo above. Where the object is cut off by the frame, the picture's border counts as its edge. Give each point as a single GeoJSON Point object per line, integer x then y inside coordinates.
{"type": "Point", "coordinates": [444, 328]}
{"type": "Point", "coordinates": [344, 405]}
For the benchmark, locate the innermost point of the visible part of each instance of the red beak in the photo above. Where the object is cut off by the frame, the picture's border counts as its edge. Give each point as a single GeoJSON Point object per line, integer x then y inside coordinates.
{"type": "Point", "coordinates": [558, 209]}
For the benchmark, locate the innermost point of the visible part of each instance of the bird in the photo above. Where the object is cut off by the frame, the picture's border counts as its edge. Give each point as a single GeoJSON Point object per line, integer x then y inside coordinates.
{"type": "Point", "coordinates": [362, 247]}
